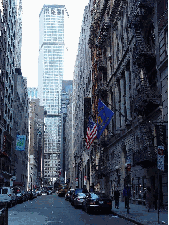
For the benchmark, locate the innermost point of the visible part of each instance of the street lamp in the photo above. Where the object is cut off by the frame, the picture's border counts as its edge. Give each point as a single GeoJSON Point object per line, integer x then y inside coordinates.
{"type": "Point", "coordinates": [31, 181]}
{"type": "Point", "coordinates": [76, 184]}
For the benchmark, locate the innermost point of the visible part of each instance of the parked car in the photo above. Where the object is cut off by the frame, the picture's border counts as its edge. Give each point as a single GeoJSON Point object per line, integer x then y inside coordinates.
{"type": "Point", "coordinates": [79, 199]}
{"type": "Point", "coordinates": [30, 195]}
{"type": "Point", "coordinates": [68, 194]}
{"type": "Point", "coordinates": [62, 191]}
{"type": "Point", "coordinates": [19, 196]}
{"type": "Point", "coordinates": [75, 192]}
{"type": "Point", "coordinates": [34, 194]}
{"type": "Point", "coordinates": [7, 195]}
{"type": "Point", "coordinates": [27, 194]}
{"type": "Point", "coordinates": [38, 192]}
{"type": "Point", "coordinates": [49, 192]}
{"type": "Point", "coordinates": [44, 192]}
{"type": "Point", "coordinates": [97, 202]}
{"type": "Point", "coordinates": [24, 197]}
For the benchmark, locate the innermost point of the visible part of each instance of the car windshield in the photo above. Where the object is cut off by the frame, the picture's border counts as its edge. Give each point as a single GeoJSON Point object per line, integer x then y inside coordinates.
{"type": "Point", "coordinates": [4, 191]}
{"type": "Point", "coordinates": [81, 195]}
{"type": "Point", "coordinates": [98, 195]}
{"type": "Point", "coordinates": [81, 191]}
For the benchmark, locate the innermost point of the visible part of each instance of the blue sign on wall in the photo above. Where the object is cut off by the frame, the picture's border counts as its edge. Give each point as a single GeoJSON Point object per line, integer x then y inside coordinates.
{"type": "Point", "coordinates": [20, 142]}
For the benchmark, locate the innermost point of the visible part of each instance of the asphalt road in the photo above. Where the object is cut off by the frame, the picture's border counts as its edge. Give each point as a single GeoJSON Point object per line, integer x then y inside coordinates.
{"type": "Point", "coordinates": [52, 210]}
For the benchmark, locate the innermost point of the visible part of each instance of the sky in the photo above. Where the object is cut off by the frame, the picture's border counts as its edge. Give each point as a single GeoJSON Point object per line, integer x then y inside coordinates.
{"type": "Point", "coordinates": [30, 36]}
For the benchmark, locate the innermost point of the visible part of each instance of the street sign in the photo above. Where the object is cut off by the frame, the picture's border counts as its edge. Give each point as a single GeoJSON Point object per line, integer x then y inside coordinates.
{"type": "Point", "coordinates": [160, 158]}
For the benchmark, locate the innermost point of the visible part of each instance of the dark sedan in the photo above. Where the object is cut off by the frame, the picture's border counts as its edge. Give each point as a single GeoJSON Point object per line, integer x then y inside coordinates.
{"type": "Point", "coordinates": [75, 192]}
{"type": "Point", "coordinates": [99, 202]}
{"type": "Point", "coordinates": [79, 199]}
{"type": "Point", "coordinates": [68, 194]}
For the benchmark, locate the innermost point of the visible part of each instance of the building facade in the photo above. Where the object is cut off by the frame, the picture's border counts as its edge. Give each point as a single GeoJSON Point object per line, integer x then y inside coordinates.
{"type": "Point", "coordinates": [36, 144]}
{"type": "Point", "coordinates": [11, 22]}
{"type": "Point", "coordinates": [19, 158]}
{"type": "Point", "coordinates": [82, 87]}
{"type": "Point", "coordinates": [50, 76]}
{"type": "Point", "coordinates": [2, 93]}
{"type": "Point", "coordinates": [124, 42]}
{"type": "Point", "coordinates": [32, 93]}
{"type": "Point", "coordinates": [67, 87]}
{"type": "Point", "coordinates": [69, 156]}
{"type": "Point", "coordinates": [129, 73]}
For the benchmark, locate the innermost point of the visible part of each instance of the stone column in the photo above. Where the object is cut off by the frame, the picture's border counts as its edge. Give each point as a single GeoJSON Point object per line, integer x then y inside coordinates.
{"type": "Point", "coordinates": [127, 73]}
{"type": "Point", "coordinates": [122, 102]}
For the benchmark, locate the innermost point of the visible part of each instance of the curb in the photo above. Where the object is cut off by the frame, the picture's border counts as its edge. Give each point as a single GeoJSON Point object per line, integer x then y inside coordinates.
{"type": "Point", "coordinates": [127, 218]}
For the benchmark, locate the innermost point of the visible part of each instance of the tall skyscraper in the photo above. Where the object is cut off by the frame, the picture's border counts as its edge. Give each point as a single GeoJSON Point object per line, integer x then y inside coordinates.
{"type": "Point", "coordinates": [50, 76]}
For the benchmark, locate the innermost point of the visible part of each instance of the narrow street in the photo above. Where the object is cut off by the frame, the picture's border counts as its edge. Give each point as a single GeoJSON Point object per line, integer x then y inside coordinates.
{"type": "Point", "coordinates": [51, 210]}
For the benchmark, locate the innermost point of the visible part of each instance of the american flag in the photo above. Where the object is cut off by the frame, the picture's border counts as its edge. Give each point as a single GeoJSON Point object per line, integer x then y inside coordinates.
{"type": "Point", "coordinates": [91, 133]}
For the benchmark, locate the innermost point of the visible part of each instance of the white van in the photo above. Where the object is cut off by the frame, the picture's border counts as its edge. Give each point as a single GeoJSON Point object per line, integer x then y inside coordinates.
{"type": "Point", "coordinates": [7, 195]}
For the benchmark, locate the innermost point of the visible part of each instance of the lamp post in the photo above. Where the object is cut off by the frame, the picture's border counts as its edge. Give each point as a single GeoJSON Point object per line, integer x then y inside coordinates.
{"type": "Point", "coordinates": [31, 182]}
{"type": "Point", "coordinates": [128, 182]}
{"type": "Point", "coordinates": [76, 181]}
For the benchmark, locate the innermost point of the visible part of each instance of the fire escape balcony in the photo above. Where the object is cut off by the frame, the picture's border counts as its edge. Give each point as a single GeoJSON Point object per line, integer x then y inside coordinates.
{"type": "Point", "coordinates": [145, 157]}
{"type": "Point", "coordinates": [105, 141]}
{"type": "Point", "coordinates": [103, 171]}
{"type": "Point", "coordinates": [146, 101]}
{"type": "Point", "coordinates": [144, 54]}
{"type": "Point", "coordinates": [102, 90]}
{"type": "Point", "coordinates": [102, 66]}
{"type": "Point", "coordinates": [103, 33]}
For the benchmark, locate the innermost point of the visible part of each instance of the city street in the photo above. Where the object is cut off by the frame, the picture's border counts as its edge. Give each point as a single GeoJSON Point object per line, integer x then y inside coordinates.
{"type": "Point", "coordinates": [51, 210]}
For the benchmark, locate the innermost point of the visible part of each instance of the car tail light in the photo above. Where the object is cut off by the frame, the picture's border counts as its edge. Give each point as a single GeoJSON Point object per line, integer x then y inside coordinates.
{"type": "Point", "coordinates": [92, 203]}
{"type": "Point", "coordinates": [9, 195]}
{"type": "Point", "coordinates": [78, 199]}
{"type": "Point", "coordinates": [109, 203]}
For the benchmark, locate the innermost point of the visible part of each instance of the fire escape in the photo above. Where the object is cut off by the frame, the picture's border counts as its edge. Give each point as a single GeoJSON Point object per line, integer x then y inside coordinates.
{"type": "Point", "coordinates": [147, 96]}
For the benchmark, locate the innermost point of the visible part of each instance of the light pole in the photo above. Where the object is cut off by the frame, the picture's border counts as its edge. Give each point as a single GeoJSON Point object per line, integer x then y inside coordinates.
{"type": "Point", "coordinates": [76, 181]}
{"type": "Point", "coordinates": [31, 182]}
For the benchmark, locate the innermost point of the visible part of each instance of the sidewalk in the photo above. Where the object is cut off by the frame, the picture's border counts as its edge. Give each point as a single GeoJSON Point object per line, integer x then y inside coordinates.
{"type": "Point", "coordinates": [138, 214]}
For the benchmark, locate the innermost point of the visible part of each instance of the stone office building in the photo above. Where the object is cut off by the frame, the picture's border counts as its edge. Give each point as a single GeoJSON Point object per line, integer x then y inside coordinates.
{"type": "Point", "coordinates": [36, 144]}
{"type": "Point", "coordinates": [19, 159]}
{"type": "Point", "coordinates": [128, 41]}
{"type": "Point", "coordinates": [10, 59]}
{"type": "Point", "coordinates": [82, 86]}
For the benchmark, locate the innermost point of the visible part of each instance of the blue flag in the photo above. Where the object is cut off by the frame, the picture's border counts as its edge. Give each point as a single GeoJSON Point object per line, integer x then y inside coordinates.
{"type": "Point", "coordinates": [104, 117]}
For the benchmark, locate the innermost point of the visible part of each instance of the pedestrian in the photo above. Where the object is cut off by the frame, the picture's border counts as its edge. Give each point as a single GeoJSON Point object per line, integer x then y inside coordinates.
{"type": "Point", "coordinates": [155, 196]}
{"type": "Point", "coordinates": [116, 198]}
{"type": "Point", "coordinates": [125, 196]}
{"type": "Point", "coordinates": [128, 195]}
{"type": "Point", "coordinates": [148, 198]}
